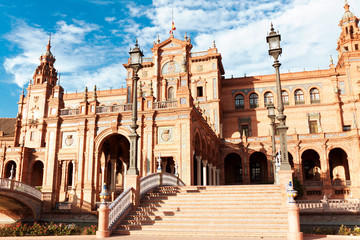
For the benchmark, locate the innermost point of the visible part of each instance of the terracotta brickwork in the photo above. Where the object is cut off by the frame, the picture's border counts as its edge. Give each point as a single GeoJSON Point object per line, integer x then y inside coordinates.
{"type": "Point", "coordinates": [208, 129]}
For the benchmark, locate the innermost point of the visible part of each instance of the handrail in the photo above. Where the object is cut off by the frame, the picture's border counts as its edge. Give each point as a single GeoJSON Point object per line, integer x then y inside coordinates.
{"type": "Point", "coordinates": [165, 104]}
{"type": "Point", "coordinates": [20, 187]}
{"type": "Point", "coordinates": [120, 206]}
{"type": "Point", "coordinates": [331, 205]}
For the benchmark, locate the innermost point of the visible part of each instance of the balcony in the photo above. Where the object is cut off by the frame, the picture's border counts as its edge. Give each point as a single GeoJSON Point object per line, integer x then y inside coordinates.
{"type": "Point", "coordinates": [165, 104]}
{"type": "Point", "coordinates": [313, 183]}
{"type": "Point", "coordinates": [114, 108]}
{"type": "Point", "coordinates": [299, 102]}
{"type": "Point", "coordinates": [69, 112]}
{"type": "Point", "coordinates": [341, 183]}
{"type": "Point", "coordinates": [33, 121]}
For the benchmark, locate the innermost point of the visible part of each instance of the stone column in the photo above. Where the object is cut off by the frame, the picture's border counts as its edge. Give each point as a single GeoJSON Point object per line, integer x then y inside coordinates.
{"type": "Point", "coordinates": [218, 176]}
{"type": "Point", "coordinates": [204, 172]}
{"type": "Point", "coordinates": [113, 178]}
{"type": "Point", "coordinates": [210, 174]}
{"type": "Point", "coordinates": [198, 174]}
{"type": "Point", "coordinates": [214, 176]}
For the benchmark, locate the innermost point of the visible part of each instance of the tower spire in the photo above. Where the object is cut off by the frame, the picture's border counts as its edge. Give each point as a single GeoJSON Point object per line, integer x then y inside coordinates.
{"type": "Point", "coordinates": [49, 43]}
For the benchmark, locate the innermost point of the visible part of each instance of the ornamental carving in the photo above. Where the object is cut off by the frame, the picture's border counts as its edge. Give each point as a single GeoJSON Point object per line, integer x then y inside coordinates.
{"type": "Point", "coordinates": [170, 68]}
{"type": "Point", "coordinates": [69, 140]}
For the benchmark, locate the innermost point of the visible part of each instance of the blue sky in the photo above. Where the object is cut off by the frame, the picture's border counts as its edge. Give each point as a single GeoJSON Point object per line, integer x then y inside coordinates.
{"type": "Point", "coordinates": [91, 38]}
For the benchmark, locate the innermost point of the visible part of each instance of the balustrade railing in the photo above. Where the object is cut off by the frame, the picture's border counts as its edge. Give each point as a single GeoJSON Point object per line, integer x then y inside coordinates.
{"type": "Point", "coordinates": [332, 205]}
{"type": "Point", "coordinates": [198, 54]}
{"type": "Point", "coordinates": [165, 104]}
{"type": "Point", "coordinates": [114, 108]}
{"type": "Point", "coordinates": [340, 183]}
{"type": "Point", "coordinates": [69, 111]}
{"type": "Point", "coordinates": [20, 187]}
{"type": "Point", "coordinates": [313, 183]}
{"type": "Point", "coordinates": [120, 206]}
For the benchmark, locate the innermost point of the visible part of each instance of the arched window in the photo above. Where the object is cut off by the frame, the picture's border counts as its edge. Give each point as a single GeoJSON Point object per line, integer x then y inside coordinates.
{"type": "Point", "coordinates": [314, 95]}
{"type": "Point", "coordinates": [285, 97]}
{"type": "Point", "coordinates": [171, 93]}
{"type": "Point", "coordinates": [299, 97]}
{"type": "Point", "coordinates": [268, 98]}
{"type": "Point", "coordinates": [239, 101]}
{"type": "Point", "coordinates": [254, 100]}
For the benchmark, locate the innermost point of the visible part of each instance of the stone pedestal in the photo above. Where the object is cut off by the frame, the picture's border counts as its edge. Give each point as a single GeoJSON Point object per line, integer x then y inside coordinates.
{"type": "Point", "coordinates": [285, 176]}
{"type": "Point", "coordinates": [103, 223]}
{"type": "Point", "coordinates": [134, 182]}
{"type": "Point", "coordinates": [294, 222]}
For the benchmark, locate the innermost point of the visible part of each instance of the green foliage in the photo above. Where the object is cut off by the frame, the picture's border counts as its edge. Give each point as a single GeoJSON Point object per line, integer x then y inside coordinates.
{"type": "Point", "coordinates": [343, 230]}
{"type": "Point", "coordinates": [46, 229]}
{"type": "Point", "coordinates": [298, 187]}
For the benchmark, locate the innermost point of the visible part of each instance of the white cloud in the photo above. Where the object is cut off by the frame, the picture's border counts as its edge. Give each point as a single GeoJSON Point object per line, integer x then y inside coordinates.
{"type": "Point", "coordinates": [110, 19]}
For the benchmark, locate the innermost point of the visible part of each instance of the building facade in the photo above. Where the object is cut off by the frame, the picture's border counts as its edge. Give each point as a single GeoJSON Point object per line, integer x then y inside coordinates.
{"type": "Point", "coordinates": [193, 122]}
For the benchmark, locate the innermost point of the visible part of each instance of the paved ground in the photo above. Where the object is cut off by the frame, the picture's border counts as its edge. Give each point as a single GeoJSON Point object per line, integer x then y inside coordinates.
{"type": "Point", "coordinates": [88, 237]}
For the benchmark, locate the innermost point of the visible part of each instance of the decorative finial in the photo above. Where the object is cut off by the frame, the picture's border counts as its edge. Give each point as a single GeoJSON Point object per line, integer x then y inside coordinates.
{"type": "Point", "coordinates": [136, 43]}
{"type": "Point", "coordinates": [22, 92]}
{"type": "Point", "coordinates": [331, 60]}
{"type": "Point", "coordinates": [159, 163]}
{"type": "Point", "coordinates": [86, 94]}
{"type": "Point", "coordinates": [186, 37]}
{"type": "Point", "coordinates": [49, 45]}
{"type": "Point", "coordinates": [214, 45]}
{"type": "Point", "coordinates": [272, 27]}
{"type": "Point", "coordinates": [95, 95]}
{"type": "Point", "coordinates": [158, 39]}
{"type": "Point", "coordinates": [151, 88]}
{"type": "Point", "coordinates": [140, 89]}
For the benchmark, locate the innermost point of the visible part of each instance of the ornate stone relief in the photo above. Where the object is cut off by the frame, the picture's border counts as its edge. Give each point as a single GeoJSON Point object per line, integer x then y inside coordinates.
{"type": "Point", "coordinates": [165, 134]}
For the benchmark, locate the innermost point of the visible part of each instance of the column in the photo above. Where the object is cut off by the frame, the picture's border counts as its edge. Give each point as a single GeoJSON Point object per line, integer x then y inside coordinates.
{"type": "Point", "coordinates": [113, 175]}
{"type": "Point", "coordinates": [73, 175]}
{"type": "Point", "coordinates": [163, 166]}
{"type": "Point", "coordinates": [210, 174]}
{"type": "Point", "coordinates": [218, 177]}
{"type": "Point", "coordinates": [204, 171]}
{"type": "Point", "coordinates": [198, 174]}
{"type": "Point", "coordinates": [214, 176]}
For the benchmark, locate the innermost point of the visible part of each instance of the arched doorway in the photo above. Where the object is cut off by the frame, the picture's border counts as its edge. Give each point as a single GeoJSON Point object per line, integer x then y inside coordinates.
{"type": "Point", "coordinates": [258, 168]}
{"type": "Point", "coordinates": [37, 174]}
{"type": "Point", "coordinates": [10, 170]}
{"type": "Point", "coordinates": [339, 166]}
{"type": "Point", "coordinates": [114, 156]}
{"type": "Point", "coordinates": [233, 169]}
{"type": "Point", "coordinates": [311, 165]}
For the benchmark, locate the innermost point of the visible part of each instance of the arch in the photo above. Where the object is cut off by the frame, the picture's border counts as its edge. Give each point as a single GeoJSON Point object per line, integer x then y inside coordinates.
{"type": "Point", "coordinates": [171, 93]}
{"type": "Point", "coordinates": [233, 169]}
{"type": "Point", "coordinates": [339, 166]}
{"type": "Point", "coordinates": [239, 101]}
{"type": "Point", "coordinates": [314, 95]}
{"type": "Point", "coordinates": [268, 98]}
{"type": "Point", "coordinates": [299, 97]}
{"type": "Point", "coordinates": [99, 139]}
{"type": "Point", "coordinates": [170, 68]}
{"type": "Point", "coordinates": [311, 166]}
{"type": "Point", "coordinates": [254, 100]}
{"type": "Point", "coordinates": [285, 97]}
{"type": "Point", "coordinates": [258, 167]}
{"type": "Point", "coordinates": [10, 169]}
{"type": "Point", "coordinates": [37, 174]}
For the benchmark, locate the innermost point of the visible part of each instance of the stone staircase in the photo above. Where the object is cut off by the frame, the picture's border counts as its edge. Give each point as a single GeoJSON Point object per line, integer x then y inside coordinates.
{"type": "Point", "coordinates": [213, 211]}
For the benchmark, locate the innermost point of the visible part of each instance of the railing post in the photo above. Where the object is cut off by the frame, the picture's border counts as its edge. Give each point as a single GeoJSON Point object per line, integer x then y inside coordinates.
{"type": "Point", "coordinates": [103, 223]}
{"type": "Point", "coordinates": [293, 214]}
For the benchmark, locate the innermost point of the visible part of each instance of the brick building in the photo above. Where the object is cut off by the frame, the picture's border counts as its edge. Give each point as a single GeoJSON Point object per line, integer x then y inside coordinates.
{"type": "Point", "coordinates": [207, 128]}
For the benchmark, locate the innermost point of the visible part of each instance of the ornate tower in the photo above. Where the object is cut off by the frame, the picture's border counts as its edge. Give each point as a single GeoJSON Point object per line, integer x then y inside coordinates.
{"type": "Point", "coordinates": [349, 40]}
{"type": "Point", "coordinates": [41, 92]}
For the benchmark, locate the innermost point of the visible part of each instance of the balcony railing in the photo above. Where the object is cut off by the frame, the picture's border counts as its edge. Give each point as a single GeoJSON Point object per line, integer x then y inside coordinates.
{"type": "Point", "coordinates": [69, 111]}
{"type": "Point", "coordinates": [33, 121]}
{"type": "Point", "coordinates": [299, 102]}
{"type": "Point", "coordinates": [339, 183]}
{"type": "Point", "coordinates": [165, 104]}
{"type": "Point", "coordinates": [254, 105]}
{"type": "Point", "coordinates": [114, 108]}
{"type": "Point", "coordinates": [315, 101]}
{"type": "Point", "coordinates": [313, 183]}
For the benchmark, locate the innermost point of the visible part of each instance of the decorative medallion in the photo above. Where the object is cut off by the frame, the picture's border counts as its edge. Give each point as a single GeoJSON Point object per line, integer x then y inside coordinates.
{"type": "Point", "coordinates": [69, 140]}
{"type": "Point", "coordinates": [199, 68]}
{"type": "Point", "coordinates": [166, 135]}
{"type": "Point", "coordinates": [145, 73]}
{"type": "Point", "coordinates": [36, 99]}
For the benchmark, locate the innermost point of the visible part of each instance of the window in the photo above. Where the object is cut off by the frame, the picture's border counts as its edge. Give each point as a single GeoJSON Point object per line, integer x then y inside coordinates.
{"type": "Point", "coordinates": [254, 100]}
{"type": "Point", "coordinates": [285, 97]}
{"type": "Point", "coordinates": [239, 101]}
{"type": "Point", "coordinates": [314, 95]}
{"type": "Point", "coordinates": [356, 47]}
{"type": "Point", "coordinates": [268, 98]}
{"type": "Point", "coordinates": [313, 126]}
{"type": "Point", "coordinates": [346, 128]}
{"type": "Point", "coordinates": [346, 49]}
{"type": "Point", "coordinates": [32, 136]}
{"type": "Point", "coordinates": [244, 130]}
{"type": "Point", "coordinates": [299, 97]}
{"type": "Point", "coordinates": [200, 92]}
{"type": "Point", "coordinates": [171, 93]}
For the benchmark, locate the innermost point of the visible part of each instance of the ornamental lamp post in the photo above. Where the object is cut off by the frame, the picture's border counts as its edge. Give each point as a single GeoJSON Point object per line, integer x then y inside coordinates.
{"type": "Point", "coordinates": [275, 50]}
{"type": "Point", "coordinates": [272, 115]}
{"type": "Point", "coordinates": [135, 63]}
